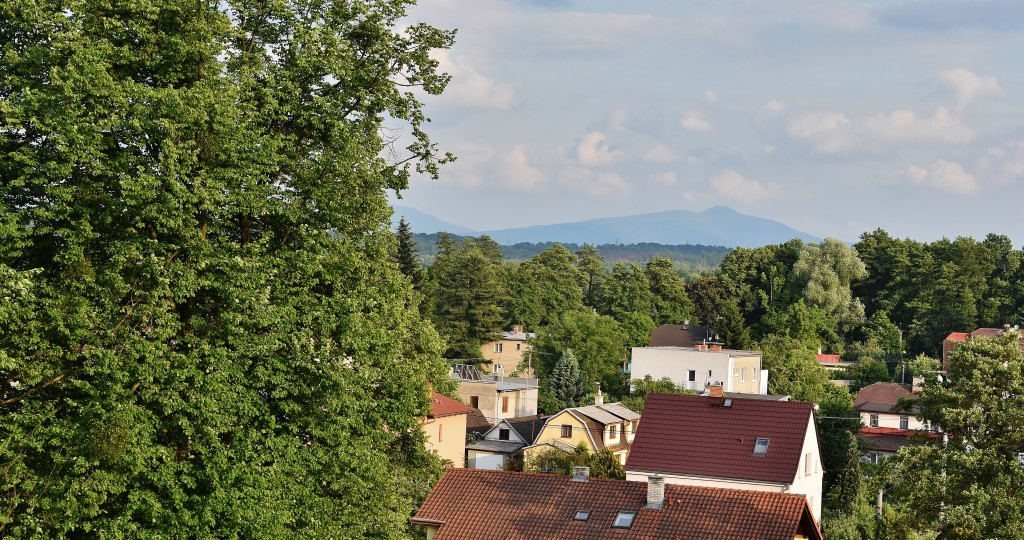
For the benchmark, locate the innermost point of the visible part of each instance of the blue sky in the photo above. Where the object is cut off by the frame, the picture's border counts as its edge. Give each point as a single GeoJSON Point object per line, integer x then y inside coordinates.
{"type": "Point", "coordinates": [833, 117]}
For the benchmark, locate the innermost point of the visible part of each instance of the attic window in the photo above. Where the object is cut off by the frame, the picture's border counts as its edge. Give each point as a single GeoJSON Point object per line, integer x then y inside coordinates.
{"type": "Point", "coordinates": [624, 519]}
{"type": "Point", "coordinates": [582, 515]}
{"type": "Point", "coordinates": [761, 446]}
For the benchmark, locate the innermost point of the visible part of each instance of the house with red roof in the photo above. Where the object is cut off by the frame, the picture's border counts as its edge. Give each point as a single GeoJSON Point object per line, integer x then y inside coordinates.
{"type": "Point", "coordinates": [738, 443]}
{"type": "Point", "coordinates": [882, 442]}
{"type": "Point", "coordinates": [474, 504]}
{"type": "Point", "coordinates": [876, 406]}
{"type": "Point", "coordinates": [954, 339]}
{"type": "Point", "coordinates": [445, 428]}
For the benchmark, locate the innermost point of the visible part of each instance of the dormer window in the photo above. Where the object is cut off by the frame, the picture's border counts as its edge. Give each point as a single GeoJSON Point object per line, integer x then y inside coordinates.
{"type": "Point", "coordinates": [503, 434]}
{"type": "Point", "coordinates": [582, 515]}
{"type": "Point", "coordinates": [761, 446]}
{"type": "Point", "coordinates": [624, 519]}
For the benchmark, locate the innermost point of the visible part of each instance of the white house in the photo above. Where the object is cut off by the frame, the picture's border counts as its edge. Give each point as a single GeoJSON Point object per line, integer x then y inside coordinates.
{"type": "Point", "coordinates": [698, 367]}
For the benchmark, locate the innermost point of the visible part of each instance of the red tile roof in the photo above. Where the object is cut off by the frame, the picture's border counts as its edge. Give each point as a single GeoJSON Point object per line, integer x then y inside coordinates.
{"type": "Point", "coordinates": [698, 435]}
{"type": "Point", "coordinates": [887, 393]}
{"type": "Point", "coordinates": [829, 358]}
{"type": "Point", "coordinates": [892, 439]}
{"type": "Point", "coordinates": [471, 504]}
{"type": "Point", "coordinates": [441, 405]}
{"type": "Point", "coordinates": [958, 336]}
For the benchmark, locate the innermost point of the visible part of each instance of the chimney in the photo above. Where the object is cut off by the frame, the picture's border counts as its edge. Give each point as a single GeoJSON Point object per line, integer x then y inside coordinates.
{"type": "Point", "coordinates": [716, 390]}
{"type": "Point", "coordinates": [700, 346]}
{"type": "Point", "coordinates": [655, 492]}
{"type": "Point", "coordinates": [599, 398]}
{"type": "Point", "coordinates": [518, 329]}
{"type": "Point", "coordinates": [580, 474]}
{"type": "Point", "coordinates": [819, 350]}
{"type": "Point", "coordinates": [716, 347]}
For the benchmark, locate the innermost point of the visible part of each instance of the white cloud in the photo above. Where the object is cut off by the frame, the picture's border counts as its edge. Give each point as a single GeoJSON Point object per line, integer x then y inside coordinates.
{"type": "Point", "coordinates": [833, 132]}
{"type": "Point", "coordinates": [1003, 163]}
{"type": "Point", "coordinates": [774, 106]}
{"type": "Point", "coordinates": [665, 178]}
{"type": "Point", "coordinates": [946, 176]}
{"type": "Point", "coordinates": [618, 119]}
{"type": "Point", "coordinates": [694, 121]}
{"type": "Point", "coordinates": [711, 96]}
{"type": "Point", "coordinates": [660, 153]}
{"type": "Point", "coordinates": [519, 174]}
{"type": "Point", "coordinates": [599, 184]}
{"type": "Point", "coordinates": [468, 88]}
{"type": "Point", "coordinates": [967, 86]}
{"type": "Point", "coordinates": [732, 184]}
{"type": "Point", "coordinates": [593, 151]}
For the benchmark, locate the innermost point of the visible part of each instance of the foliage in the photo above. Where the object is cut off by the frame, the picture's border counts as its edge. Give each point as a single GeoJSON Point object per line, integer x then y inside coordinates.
{"type": "Point", "coordinates": [204, 334]}
{"type": "Point", "coordinates": [793, 369]}
{"type": "Point", "coordinates": [467, 287]}
{"type": "Point", "coordinates": [591, 264]}
{"type": "Point", "coordinates": [867, 372]}
{"type": "Point", "coordinates": [603, 463]}
{"type": "Point", "coordinates": [641, 387]}
{"type": "Point", "coordinates": [669, 301]}
{"type": "Point", "coordinates": [597, 341]}
{"type": "Point", "coordinates": [807, 324]}
{"type": "Point", "coordinates": [825, 273]}
{"type": "Point", "coordinates": [405, 255]}
{"type": "Point", "coordinates": [545, 287]}
{"type": "Point", "coordinates": [626, 290]}
{"type": "Point", "coordinates": [975, 477]}
{"type": "Point", "coordinates": [924, 366]}
{"type": "Point", "coordinates": [566, 383]}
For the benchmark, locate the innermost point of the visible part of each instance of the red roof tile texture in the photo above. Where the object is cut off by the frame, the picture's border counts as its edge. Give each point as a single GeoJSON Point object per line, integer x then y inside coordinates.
{"type": "Point", "coordinates": [442, 405]}
{"type": "Point", "coordinates": [880, 392]}
{"type": "Point", "coordinates": [474, 504]}
{"type": "Point", "coordinates": [829, 358]}
{"type": "Point", "coordinates": [697, 435]}
{"type": "Point", "coordinates": [892, 439]}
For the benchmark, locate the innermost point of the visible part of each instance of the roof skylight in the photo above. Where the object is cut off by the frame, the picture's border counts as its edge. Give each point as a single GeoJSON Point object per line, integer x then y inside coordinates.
{"type": "Point", "coordinates": [624, 519]}
{"type": "Point", "coordinates": [582, 515]}
{"type": "Point", "coordinates": [761, 446]}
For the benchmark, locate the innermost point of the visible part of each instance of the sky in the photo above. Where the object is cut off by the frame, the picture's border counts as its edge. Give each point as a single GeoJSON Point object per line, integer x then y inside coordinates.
{"type": "Point", "coordinates": [834, 117]}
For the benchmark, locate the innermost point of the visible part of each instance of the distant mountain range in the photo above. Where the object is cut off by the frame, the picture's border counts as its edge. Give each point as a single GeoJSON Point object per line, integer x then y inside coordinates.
{"type": "Point", "coordinates": [717, 226]}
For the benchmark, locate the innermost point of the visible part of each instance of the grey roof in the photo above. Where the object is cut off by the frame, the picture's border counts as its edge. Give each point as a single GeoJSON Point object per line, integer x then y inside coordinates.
{"type": "Point", "coordinates": [501, 447]}
{"type": "Point", "coordinates": [518, 336]}
{"type": "Point", "coordinates": [610, 413]}
{"type": "Point", "coordinates": [528, 427]}
{"type": "Point", "coordinates": [517, 384]}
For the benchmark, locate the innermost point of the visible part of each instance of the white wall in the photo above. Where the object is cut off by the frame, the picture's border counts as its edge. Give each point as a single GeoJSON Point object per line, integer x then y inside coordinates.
{"type": "Point", "coordinates": [888, 420]}
{"type": "Point", "coordinates": [809, 482]}
{"type": "Point", "coordinates": [676, 362]}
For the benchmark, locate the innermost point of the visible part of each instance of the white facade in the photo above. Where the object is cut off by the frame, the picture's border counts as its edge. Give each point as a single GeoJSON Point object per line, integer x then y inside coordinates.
{"type": "Point", "coordinates": [891, 420]}
{"type": "Point", "coordinates": [696, 369]}
{"type": "Point", "coordinates": [808, 480]}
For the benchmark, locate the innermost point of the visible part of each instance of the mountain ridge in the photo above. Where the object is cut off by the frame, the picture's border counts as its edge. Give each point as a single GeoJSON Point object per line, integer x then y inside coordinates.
{"type": "Point", "coordinates": [716, 226]}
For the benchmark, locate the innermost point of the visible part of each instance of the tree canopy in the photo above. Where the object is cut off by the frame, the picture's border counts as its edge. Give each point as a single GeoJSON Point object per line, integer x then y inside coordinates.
{"type": "Point", "coordinates": [204, 332]}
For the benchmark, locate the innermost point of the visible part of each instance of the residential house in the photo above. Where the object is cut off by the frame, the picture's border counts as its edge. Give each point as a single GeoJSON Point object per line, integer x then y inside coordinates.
{"type": "Point", "coordinates": [471, 504]}
{"type": "Point", "coordinates": [875, 404]}
{"type": "Point", "coordinates": [956, 338]}
{"type": "Point", "coordinates": [601, 426]}
{"type": "Point", "coordinates": [759, 445]}
{"type": "Point", "coordinates": [879, 443]}
{"type": "Point", "coordinates": [680, 335]}
{"type": "Point", "coordinates": [499, 444]}
{"type": "Point", "coordinates": [445, 428]}
{"type": "Point", "coordinates": [495, 396]}
{"type": "Point", "coordinates": [701, 366]}
{"type": "Point", "coordinates": [507, 355]}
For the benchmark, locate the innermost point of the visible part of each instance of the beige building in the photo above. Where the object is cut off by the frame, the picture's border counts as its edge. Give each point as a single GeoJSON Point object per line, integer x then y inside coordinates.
{"type": "Point", "coordinates": [445, 428]}
{"type": "Point", "coordinates": [495, 396]}
{"type": "Point", "coordinates": [508, 355]}
{"type": "Point", "coordinates": [600, 426]}
{"type": "Point", "coordinates": [701, 366]}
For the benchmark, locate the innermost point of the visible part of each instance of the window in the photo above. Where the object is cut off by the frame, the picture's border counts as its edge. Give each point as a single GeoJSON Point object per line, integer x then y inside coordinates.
{"type": "Point", "coordinates": [904, 422]}
{"type": "Point", "coordinates": [518, 345]}
{"type": "Point", "coordinates": [504, 403]}
{"type": "Point", "coordinates": [503, 434]}
{"type": "Point", "coordinates": [623, 519]}
{"type": "Point", "coordinates": [497, 347]}
{"type": "Point", "coordinates": [753, 373]}
{"type": "Point", "coordinates": [736, 372]}
{"type": "Point", "coordinates": [474, 401]}
{"type": "Point", "coordinates": [440, 430]}
{"type": "Point", "coordinates": [582, 515]}
{"type": "Point", "coordinates": [691, 375]}
{"type": "Point", "coordinates": [743, 375]}
{"type": "Point", "coordinates": [761, 446]}
{"type": "Point", "coordinates": [613, 432]}
{"type": "Point", "coordinates": [566, 432]}
{"type": "Point", "coordinates": [808, 464]}
{"type": "Point", "coordinates": [874, 420]}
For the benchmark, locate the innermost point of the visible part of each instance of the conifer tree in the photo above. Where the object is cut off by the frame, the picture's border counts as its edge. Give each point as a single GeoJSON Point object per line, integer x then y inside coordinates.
{"type": "Point", "coordinates": [405, 255]}
{"type": "Point", "coordinates": [566, 381]}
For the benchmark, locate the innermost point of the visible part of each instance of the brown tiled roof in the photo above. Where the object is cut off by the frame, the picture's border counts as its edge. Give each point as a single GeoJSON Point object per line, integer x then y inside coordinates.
{"type": "Point", "coordinates": [472, 504]}
{"type": "Point", "coordinates": [698, 435]}
{"type": "Point", "coordinates": [829, 358]}
{"type": "Point", "coordinates": [887, 393]}
{"type": "Point", "coordinates": [679, 335]}
{"type": "Point", "coordinates": [476, 421]}
{"type": "Point", "coordinates": [442, 405]}
{"type": "Point", "coordinates": [958, 336]}
{"type": "Point", "coordinates": [892, 439]}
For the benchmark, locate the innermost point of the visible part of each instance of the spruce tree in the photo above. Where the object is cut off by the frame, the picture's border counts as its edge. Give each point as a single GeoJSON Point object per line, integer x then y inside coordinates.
{"type": "Point", "coordinates": [567, 383]}
{"type": "Point", "coordinates": [405, 255]}
{"type": "Point", "coordinates": [201, 331]}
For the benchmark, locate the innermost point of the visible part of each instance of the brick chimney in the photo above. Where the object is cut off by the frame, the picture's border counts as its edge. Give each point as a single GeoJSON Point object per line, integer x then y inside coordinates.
{"type": "Point", "coordinates": [518, 329]}
{"type": "Point", "coordinates": [580, 474]}
{"type": "Point", "coordinates": [716, 390]}
{"type": "Point", "coordinates": [655, 492]}
{"type": "Point", "coordinates": [716, 347]}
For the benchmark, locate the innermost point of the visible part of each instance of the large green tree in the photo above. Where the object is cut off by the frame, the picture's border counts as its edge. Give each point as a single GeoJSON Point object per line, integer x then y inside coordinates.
{"type": "Point", "coordinates": [544, 287]}
{"type": "Point", "coordinates": [598, 342]}
{"type": "Point", "coordinates": [668, 292]}
{"type": "Point", "coordinates": [969, 487]}
{"type": "Point", "coordinates": [202, 332]}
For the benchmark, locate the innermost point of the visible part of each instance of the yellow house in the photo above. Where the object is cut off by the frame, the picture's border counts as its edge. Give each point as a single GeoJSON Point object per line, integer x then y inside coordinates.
{"type": "Point", "coordinates": [507, 354]}
{"type": "Point", "coordinates": [600, 426]}
{"type": "Point", "coordinates": [445, 428]}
